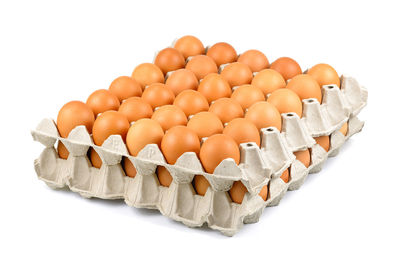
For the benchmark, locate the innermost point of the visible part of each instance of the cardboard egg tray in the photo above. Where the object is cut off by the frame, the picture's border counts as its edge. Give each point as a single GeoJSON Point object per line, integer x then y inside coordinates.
{"type": "Point", "coordinates": [258, 165]}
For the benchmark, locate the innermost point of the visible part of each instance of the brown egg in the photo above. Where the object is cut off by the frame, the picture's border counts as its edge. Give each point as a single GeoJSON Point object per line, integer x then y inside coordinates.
{"type": "Point", "coordinates": [237, 74]}
{"type": "Point", "coordinates": [178, 140]}
{"type": "Point", "coordinates": [169, 59]}
{"type": "Point", "coordinates": [135, 108]}
{"type": "Point", "coordinates": [268, 81]}
{"type": "Point", "coordinates": [191, 102]}
{"type": "Point", "coordinates": [255, 59]}
{"type": "Point", "coordinates": [304, 156]}
{"type": "Point", "coordinates": [287, 67]}
{"type": "Point", "coordinates": [200, 184]}
{"type": "Point", "coordinates": [264, 114]}
{"type": "Point", "coordinates": [102, 100]}
{"type": "Point", "coordinates": [246, 95]}
{"type": "Point", "coordinates": [62, 151]}
{"type": "Point", "coordinates": [217, 148]}
{"type": "Point", "coordinates": [285, 176]}
{"type": "Point", "coordinates": [237, 192]}
{"type": "Point", "coordinates": [109, 123]}
{"type": "Point", "coordinates": [324, 142]}
{"type": "Point", "coordinates": [128, 167]}
{"type": "Point", "coordinates": [222, 53]}
{"type": "Point", "coordinates": [344, 128]}
{"type": "Point", "coordinates": [305, 87]}
{"type": "Point", "coordinates": [205, 124]}
{"type": "Point", "coordinates": [158, 94]}
{"type": "Point", "coordinates": [147, 73]}
{"type": "Point", "coordinates": [182, 80]}
{"type": "Point", "coordinates": [201, 65]}
{"type": "Point", "coordinates": [213, 87]}
{"type": "Point", "coordinates": [286, 101]}
{"type": "Point", "coordinates": [324, 74]}
{"type": "Point", "coordinates": [189, 46]}
{"type": "Point", "coordinates": [124, 87]}
{"type": "Point", "coordinates": [264, 192]}
{"type": "Point", "coordinates": [95, 158]}
{"type": "Point", "coordinates": [164, 177]}
{"type": "Point", "coordinates": [242, 131]}
{"type": "Point", "coordinates": [142, 132]}
{"type": "Point", "coordinates": [226, 109]}
{"type": "Point", "coordinates": [169, 116]}
{"type": "Point", "coordinates": [73, 114]}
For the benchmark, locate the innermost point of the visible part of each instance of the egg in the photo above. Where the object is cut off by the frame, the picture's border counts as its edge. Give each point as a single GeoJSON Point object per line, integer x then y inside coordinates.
{"type": "Point", "coordinates": [226, 109]}
{"type": "Point", "coordinates": [62, 151]}
{"type": "Point", "coordinates": [102, 100]}
{"type": "Point", "coordinates": [255, 59]}
{"type": "Point", "coordinates": [285, 176]}
{"type": "Point", "coordinates": [344, 129]}
{"type": "Point", "coordinates": [287, 67]}
{"type": "Point", "coordinates": [324, 74]}
{"type": "Point", "coordinates": [169, 59]}
{"type": "Point", "coordinates": [200, 184]}
{"type": "Point", "coordinates": [264, 114]}
{"type": "Point", "coordinates": [242, 131]}
{"type": "Point", "coordinates": [324, 142]}
{"type": "Point", "coordinates": [142, 132]}
{"type": "Point", "coordinates": [264, 192]}
{"type": "Point", "coordinates": [158, 94]}
{"type": "Point", "coordinates": [181, 80]}
{"type": "Point", "coordinates": [201, 65]}
{"type": "Point", "coordinates": [169, 116]}
{"type": "Point", "coordinates": [213, 87]}
{"type": "Point", "coordinates": [135, 108]}
{"type": "Point", "coordinates": [222, 53]}
{"type": "Point", "coordinates": [109, 123]}
{"type": "Point", "coordinates": [246, 95]}
{"type": "Point", "coordinates": [237, 192]}
{"type": "Point", "coordinates": [178, 140]}
{"type": "Point", "coordinates": [124, 87]}
{"type": "Point", "coordinates": [189, 46]}
{"type": "Point", "coordinates": [268, 80]}
{"type": "Point", "coordinates": [95, 158]}
{"type": "Point", "coordinates": [304, 156]}
{"type": "Point", "coordinates": [128, 167]}
{"type": "Point", "coordinates": [147, 73]}
{"type": "Point", "coordinates": [217, 148]}
{"type": "Point", "coordinates": [164, 177]}
{"type": "Point", "coordinates": [236, 74]}
{"type": "Point", "coordinates": [305, 87]}
{"type": "Point", "coordinates": [191, 102]}
{"type": "Point", "coordinates": [205, 124]}
{"type": "Point", "coordinates": [73, 114]}
{"type": "Point", "coordinates": [286, 101]}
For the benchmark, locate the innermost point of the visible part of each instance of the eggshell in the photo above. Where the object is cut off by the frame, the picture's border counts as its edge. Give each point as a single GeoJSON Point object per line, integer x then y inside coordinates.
{"type": "Point", "coordinates": [287, 67]}
{"type": "Point", "coordinates": [237, 192]}
{"type": "Point", "coordinates": [147, 73]}
{"type": "Point", "coordinates": [102, 100]}
{"type": "Point", "coordinates": [264, 192]}
{"type": "Point", "coordinates": [286, 101]}
{"type": "Point", "coordinates": [164, 177]}
{"type": "Point", "coordinates": [324, 74]}
{"type": "Point", "coordinates": [246, 95]}
{"type": "Point", "coordinates": [181, 80]}
{"type": "Point", "coordinates": [201, 65]}
{"type": "Point", "coordinates": [213, 87]}
{"type": "Point", "coordinates": [305, 87]}
{"type": "Point", "coordinates": [205, 124]}
{"type": "Point", "coordinates": [191, 102]}
{"type": "Point", "coordinates": [142, 132]}
{"type": "Point", "coordinates": [62, 151]}
{"type": "Point", "coordinates": [324, 142]}
{"type": "Point", "coordinates": [304, 156]}
{"type": "Point", "coordinates": [124, 87]}
{"type": "Point", "coordinates": [95, 158]}
{"type": "Point", "coordinates": [128, 167]}
{"type": "Point", "coordinates": [255, 59]}
{"type": "Point", "coordinates": [268, 80]}
{"type": "Point", "coordinates": [242, 131]}
{"type": "Point", "coordinates": [285, 176]}
{"type": "Point", "coordinates": [109, 123]}
{"type": "Point", "coordinates": [237, 74]}
{"type": "Point", "coordinates": [158, 94]}
{"type": "Point", "coordinates": [178, 140]}
{"type": "Point", "coordinates": [189, 46]}
{"type": "Point", "coordinates": [226, 109]}
{"type": "Point", "coordinates": [169, 116]}
{"type": "Point", "coordinates": [200, 184]}
{"type": "Point", "coordinates": [135, 108]}
{"type": "Point", "coordinates": [344, 129]}
{"type": "Point", "coordinates": [222, 53]}
{"type": "Point", "coordinates": [169, 59]}
{"type": "Point", "coordinates": [264, 114]}
{"type": "Point", "coordinates": [217, 148]}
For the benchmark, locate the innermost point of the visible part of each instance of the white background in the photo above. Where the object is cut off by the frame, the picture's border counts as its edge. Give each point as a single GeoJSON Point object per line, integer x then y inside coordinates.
{"type": "Point", "coordinates": [53, 52]}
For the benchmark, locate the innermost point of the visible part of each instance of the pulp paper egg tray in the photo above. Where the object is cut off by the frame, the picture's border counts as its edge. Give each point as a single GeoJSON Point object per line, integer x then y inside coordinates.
{"type": "Point", "coordinates": [258, 165]}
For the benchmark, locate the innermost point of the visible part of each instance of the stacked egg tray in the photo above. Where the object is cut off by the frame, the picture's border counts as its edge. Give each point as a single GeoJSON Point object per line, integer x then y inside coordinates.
{"type": "Point", "coordinates": [258, 165]}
